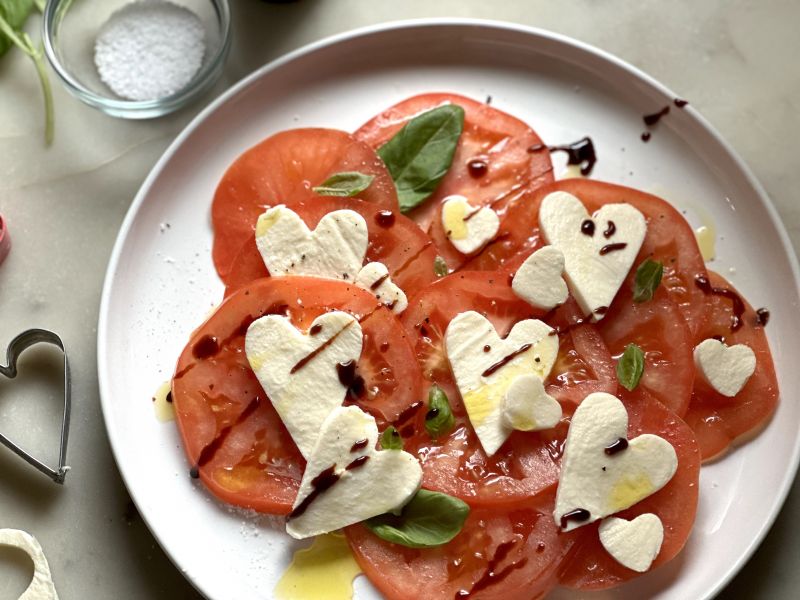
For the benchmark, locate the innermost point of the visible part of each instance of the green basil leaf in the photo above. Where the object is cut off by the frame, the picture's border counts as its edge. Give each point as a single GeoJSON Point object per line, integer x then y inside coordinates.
{"type": "Point", "coordinates": [648, 277]}
{"type": "Point", "coordinates": [439, 420]}
{"type": "Point", "coordinates": [630, 367]}
{"type": "Point", "coordinates": [440, 267]}
{"type": "Point", "coordinates": [345, 184]}
{"type": "Point", "coordinates": [420, 154]}
{"type": "Point", "coordinates": [390, 439]}
{"type": "Point", "coordinates": [14, 13]}
{"type": "Point", "coordinates": [429, 519]}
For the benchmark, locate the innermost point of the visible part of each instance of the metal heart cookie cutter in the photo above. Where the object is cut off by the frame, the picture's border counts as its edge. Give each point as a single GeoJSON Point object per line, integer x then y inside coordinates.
{"type": "Point", "coordinates": [18, 345]}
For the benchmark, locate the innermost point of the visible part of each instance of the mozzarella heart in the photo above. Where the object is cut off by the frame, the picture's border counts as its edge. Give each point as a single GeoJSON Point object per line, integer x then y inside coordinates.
{"type": "Point", "coordinates": [538, 280]}
{"type": "Point", "coordinates": [594, 265]}
{"type": "Point", "coordinates": [528, 407]}
{"type": "Point", "coordinates": [634, 544]}
{"type": "Point", "coordinates": [374, 277]}
{"type": "Point", "coordinates": [473, 346]}
{"type": "Point", "coordinates": [370, 482]}
{"type": "Point", "coordinates": [41, 586]}
{"type": "Point", "coordinates": [597, 483]}
{"type": "Point", "coordinates": [334, 250]}
{"type": "Point", "coordinates": [469, 228]}
{"type": "Point", "coordinates": [726, 368]}
{"type": "Point", "coordinates": [305, 398]}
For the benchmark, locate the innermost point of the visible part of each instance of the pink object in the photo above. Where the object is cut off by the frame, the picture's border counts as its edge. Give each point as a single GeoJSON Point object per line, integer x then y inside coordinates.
{"type": "Point", "coordinates": [5, 241]}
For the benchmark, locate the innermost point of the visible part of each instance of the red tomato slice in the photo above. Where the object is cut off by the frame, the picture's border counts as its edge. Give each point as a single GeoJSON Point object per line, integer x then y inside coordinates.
{"type": "Point", "coordinates": [499, 555]}
{"type": "Point", "coordinates": [394, 240]}
{"type": "Point", "coordinates": [495, 144]}
{"type": "Point", "coordinates": [588, 566]}
{"type": "Point", "coordinates": [230, 431]}
{"type": "Point", "coordinates": [718, 420]}
{"type": "Point", "coordinates": [284, 168]}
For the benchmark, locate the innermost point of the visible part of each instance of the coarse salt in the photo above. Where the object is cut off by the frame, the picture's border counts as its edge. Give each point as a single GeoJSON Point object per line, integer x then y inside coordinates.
{"type": "Point", "coordinates": [149, 49]}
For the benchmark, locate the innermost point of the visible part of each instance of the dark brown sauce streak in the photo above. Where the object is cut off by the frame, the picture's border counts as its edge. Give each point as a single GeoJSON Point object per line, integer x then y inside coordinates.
{"type": "Point", "coordinates": [472, 214]}
{"type": "Point", "coordinates": [600, 310]}
{"type": "Point", "coordinates": [762, 317]}
{"type": "Point", "coordinates": [359, 445]}
{"type": "Point", "coordinates": [578, 153]}
{"type": "Point", "coordinates": [315, 329]}
{"type": "Point", "coordinates": [184, 371]}
{"type": "Point", "coordinates": [209, 451]}
{"type": "Point", "coordinates": [412, 258]}
{"type": "Point", "coordinates": [324, 481]}
{"type": "Point", "coordinates": [206, 347]}
{"type": "Point", "coordinates": [579, 515]}
{"type": "Point", "coordinates": [310, 356]}
{"type": "Point", "coordinates": [346, 372]}
{"type": "Point", "coordinates": [610, 230]}
{"type": "Point", "coordinates": [655, 117]}
{"type": "Point", "coordinates": [377, 283]}
{"type": "Point", "coordinates": [241, 331]}
{"type": "Point", "coordinates": [408, 413]}
{"type": "Point", "coordinates": [704, 284]}
{"type": "Point", "coordinates": [618, 446]}
{"type": "Point", "coordinates": [570, 326]}
{"type": "Point", "coordinates": [359, 462]}
{"type": "Point", "coordinates": [612, 247]}
{"type": "Point", "coordinates": [491, 575]}
{"type": "Point", "coordinates": [506, 359]}
{"type": "Point", "coordinates": [587, 228]}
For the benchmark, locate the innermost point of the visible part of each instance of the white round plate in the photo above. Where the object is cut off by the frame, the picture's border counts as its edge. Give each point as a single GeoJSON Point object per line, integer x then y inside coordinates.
{"type": "Point", "coordinates": [161, 282]}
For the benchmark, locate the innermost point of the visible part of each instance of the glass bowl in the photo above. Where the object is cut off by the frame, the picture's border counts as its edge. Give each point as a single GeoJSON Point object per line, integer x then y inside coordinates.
{"type": "Point", "coordinates": [71, 27]}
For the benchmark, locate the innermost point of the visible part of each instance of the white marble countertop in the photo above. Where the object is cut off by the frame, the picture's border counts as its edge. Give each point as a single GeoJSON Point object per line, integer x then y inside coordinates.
{"type": "Point", "coordinates": [64, 205]}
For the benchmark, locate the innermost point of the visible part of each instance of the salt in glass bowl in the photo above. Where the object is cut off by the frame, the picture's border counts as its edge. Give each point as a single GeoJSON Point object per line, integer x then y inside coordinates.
{"type": "Point", "coordinates": [71, 27]}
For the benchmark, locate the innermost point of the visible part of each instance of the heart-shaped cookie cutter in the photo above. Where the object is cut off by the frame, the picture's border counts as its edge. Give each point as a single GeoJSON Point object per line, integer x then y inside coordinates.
{"type": "Point", "coordinates": [18, 345]}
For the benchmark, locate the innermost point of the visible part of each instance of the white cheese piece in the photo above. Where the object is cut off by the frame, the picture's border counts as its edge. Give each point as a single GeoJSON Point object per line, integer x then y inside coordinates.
{"type": "Point", "coordinates": [469, 228]}
{"type": "Point", "coordinates": [633, 544]}
{"type": "Point", "coordinates": [41, 586]}
{"type": "Point", "coordinates": [528, 407]}
{"type": "Point", "coordinates": [473, 346]}
{"type": "Point", "coordinates": [538, 280]}
{"type": "Point", "coordinates": [386, 290]}
{"type": "Point", "coordinates": [603, 484]}
{"type": "Point", "coordinates": [384, 481]}
{"type": "Point", "coordinates": [725, 368]}
{"type": "Point", "coordinates": [305, 398]}
{"type": "Point", "coordinates": [334, 250]}
{"type": "Point", "coordinates": [594, 278]}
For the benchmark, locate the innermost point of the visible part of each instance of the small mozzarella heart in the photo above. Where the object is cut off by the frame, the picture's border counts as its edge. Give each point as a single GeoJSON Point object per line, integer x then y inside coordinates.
{"type": "Point", "coordinates": [469, 228]}
{"type": "Point", "coordinates": [346, 480]}
{"type": "Point", "coordinates": [528, 407]}
{"type": "Point", "coordinates": [538, 280]}
{"type": "Point", "coordinates": [334, 250]}
{"type": "Point", "coordinates": [634, 544]}
{"type": "Point", "coordinates": [298, 371]}
{"type": "Point", "coordinates": [485, 366]}
{"type": "Point", "coordinates": [598, 250]}
{"type": "Point", "coordinates": [374, 277]}
{"type": "Point", "coordinates": [725, 368]}
{"type": "Point", "coordinates": [601, 471]}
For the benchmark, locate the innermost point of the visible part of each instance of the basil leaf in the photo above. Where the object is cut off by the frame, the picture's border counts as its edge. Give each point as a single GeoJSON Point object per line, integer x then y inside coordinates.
{"type": "Point", "coordinates": [439, 420]}
{"type": "Point", "coordinates": [648, 277]}
{"type": "Point", "coordinates": [14, 13]}
{"type": "Point", "coordinates": [390, 439]}
{"type": "Point", "coordinates": [345, 184]}
{"type": "Point", "coordinates": [429, 519]}
{"type": "Point", "coordinates": [420, 154]}
{"type": "Point", "coordinates": [440, 267]}
{"type": "Point", "coordinates": [630, 367]}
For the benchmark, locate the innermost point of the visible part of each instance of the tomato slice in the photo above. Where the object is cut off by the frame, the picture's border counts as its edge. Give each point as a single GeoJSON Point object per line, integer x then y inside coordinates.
{"type": "Point", "coordinates": [394, 240]}
{"type": "Point", "coordinates": [284, 168]}
{"type": "Point", "coordinates": [718, 420]}
{"type": "Point", "coordinates": [499, 554]}
{"type": "Point", "coordinates": [588, 566]}
{"type": "Point", "coordinates": [493, 165]}
{"type": "Point", "coordinates": [230, 431]}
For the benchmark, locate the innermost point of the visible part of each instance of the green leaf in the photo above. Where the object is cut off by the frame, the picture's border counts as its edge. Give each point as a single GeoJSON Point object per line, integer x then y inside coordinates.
{"type": "Point", "coordinates": [346, 184]}
{"type": "Point", "coordinates": [390, 439]}
{"type": "Point", "coordinates": [440, 267]}
{"type": "Point", "coordinates": [14, 13]}
{"type": "Point", "coordinates": [630, 367]}
{"type": "Point", "coordinates": [429, 519]}
{"type": "Point", "coordinates": [420, 154]}
{"type": "Point", "coordinates": [648, 277]}
{"type": "Point", "coordinates": [439, 420]}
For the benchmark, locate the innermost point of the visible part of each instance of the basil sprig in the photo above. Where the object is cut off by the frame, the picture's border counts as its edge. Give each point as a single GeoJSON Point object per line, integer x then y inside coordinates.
{"type": "Point", "coordinates": [390, 439]}
{"type": "Point", "coordinates": [630, 367]}
{"type": "Point", "coordinates": [440, 267]}
{"type": "Point", "coordinates": [648, 277]}
{"type": "Point", "coordinates": [420, 154]}
{"type": "Point", "coordinates": [439, 419]}
{"type": "Point", "coordinates": [429, 519]}
{"type": "Point", "coordinates": [347, 184]}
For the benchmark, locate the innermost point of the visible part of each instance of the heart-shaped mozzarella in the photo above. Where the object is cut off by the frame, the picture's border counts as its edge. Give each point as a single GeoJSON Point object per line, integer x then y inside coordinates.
{"type": "Point", "coordinates": [41, 586]}
{"type": "Point", "coordinates": [538, 280]}
{"type": "Point", "coordinates": [634, 544]}
{"type": "Point", "coordinates": [598, 250]}
{"type": "Point", "coordinates": [485, 366]}
{"type": "Point", "coordinates": [528, 407]}
{"type": "Point", "coordinates": [469, 228]}
{"type": "Point", "coordinates": [298, 371]}
{"type": "Point", "coordinates": [374, 277]}
{"type": "Point", "coordinates": [601, 471]}
{"type": "Point", "coordinates": [725, 368]}
{"type": "Point", "coordinates": [361, 482]}
{"type": "Point", "coordinates": [334, 250]}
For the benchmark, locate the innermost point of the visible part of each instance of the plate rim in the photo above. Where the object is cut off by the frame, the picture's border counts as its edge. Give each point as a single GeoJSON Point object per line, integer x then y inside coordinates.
{"type": "Point", "coordinates": [377, 29]}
